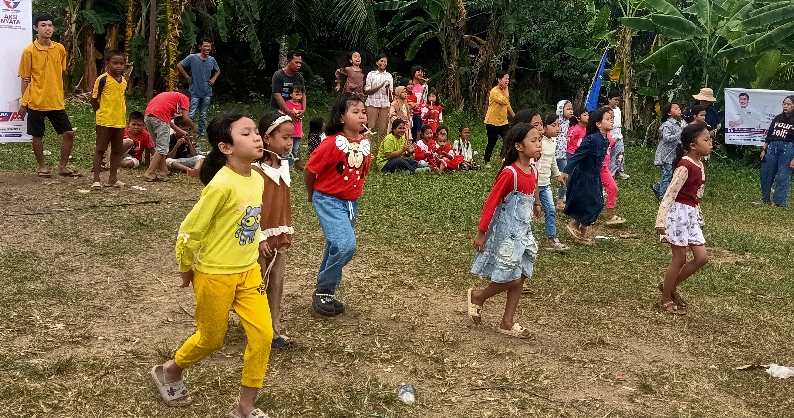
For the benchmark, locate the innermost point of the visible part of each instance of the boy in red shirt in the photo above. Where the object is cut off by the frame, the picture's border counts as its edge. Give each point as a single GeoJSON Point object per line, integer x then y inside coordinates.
{"type": "Point", "coordinates": [136, 141]}
{"type": "Point", "coordinates": [161, 109]}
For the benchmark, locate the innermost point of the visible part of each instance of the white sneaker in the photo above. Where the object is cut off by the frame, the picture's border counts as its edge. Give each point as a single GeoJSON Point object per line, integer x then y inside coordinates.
{"type": "Point", "coordinates": [557, 246]}
{"type": "Point", "coordinates": [623, 176]}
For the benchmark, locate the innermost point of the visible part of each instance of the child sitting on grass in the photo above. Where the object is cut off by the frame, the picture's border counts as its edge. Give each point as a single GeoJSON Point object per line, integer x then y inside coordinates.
{"type": "Point", "coordinates": [183, 155]}
{"type": "Point", "coordinates": [425, 146]}
{"type": "Point", "coordinates": [222, 229]}
{"type": "Point", "coordinates": [276, 217]}
{"type": "Point", "coordinates": [396, 153]}
{"type": "Point", "coordinates": [443, 156]}
{"type": "Point", "coordinates": [679, 219]}
{"type": "Point", "coordinates": [506, 249]}
{"type": "Point", "coordinates": [136, 141]}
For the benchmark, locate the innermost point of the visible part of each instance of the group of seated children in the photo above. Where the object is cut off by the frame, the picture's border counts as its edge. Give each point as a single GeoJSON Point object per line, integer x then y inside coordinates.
{"type": "Point", "coordinates": [184, 153]}
{"type": "Point", "coordinates": [432, 151]}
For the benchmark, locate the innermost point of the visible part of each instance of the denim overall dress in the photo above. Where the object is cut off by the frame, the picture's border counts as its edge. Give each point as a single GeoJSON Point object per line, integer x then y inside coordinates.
{"type": "Point", "coordinates": [510, 248]}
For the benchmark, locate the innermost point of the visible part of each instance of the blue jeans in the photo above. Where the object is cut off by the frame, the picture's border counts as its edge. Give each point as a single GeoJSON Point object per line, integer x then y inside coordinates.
{"type": "Point", "coordinates": [294, 153]}
{"type": "Point", "coordinates": [547, 201]}
{"type": "Point", "coordinates": [337, 218]}
{"type": "Point", "coordinates": [776, 164]}
{"type": "Point", "coordinates": [200, 105]}
{"type": "Point", "coordinates": [400, 164]}
{"type": "Point", "coordinates": [416, 128]}
{"type": "Point", "coordinates": [667, 176]}
{"type": "Point", "coordinates": [561, 163]}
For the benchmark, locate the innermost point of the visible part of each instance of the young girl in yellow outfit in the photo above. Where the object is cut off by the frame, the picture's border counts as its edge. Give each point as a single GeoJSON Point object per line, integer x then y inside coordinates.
{"type": "Point", "coordinates": [223, 228]}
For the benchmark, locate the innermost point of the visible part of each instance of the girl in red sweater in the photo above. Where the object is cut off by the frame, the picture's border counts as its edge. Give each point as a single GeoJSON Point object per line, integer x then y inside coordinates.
{"type": "Point", "coordinates": [506, 249]}
{"type": "Point", "coordinates": [679, 215]}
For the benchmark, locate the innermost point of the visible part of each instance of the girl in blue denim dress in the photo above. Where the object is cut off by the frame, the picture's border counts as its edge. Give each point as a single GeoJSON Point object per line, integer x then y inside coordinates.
{"type": "Point", "coordinates": [506, 249]}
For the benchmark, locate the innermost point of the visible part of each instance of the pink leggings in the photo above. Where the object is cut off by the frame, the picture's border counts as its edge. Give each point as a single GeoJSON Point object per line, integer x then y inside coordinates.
{"type": "Point", "coordinates": [610, 186]}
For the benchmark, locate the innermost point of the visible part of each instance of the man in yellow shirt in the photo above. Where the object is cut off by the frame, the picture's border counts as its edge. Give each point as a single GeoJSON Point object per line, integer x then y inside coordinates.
{"type": "Point", "coordinates": [41, 69]}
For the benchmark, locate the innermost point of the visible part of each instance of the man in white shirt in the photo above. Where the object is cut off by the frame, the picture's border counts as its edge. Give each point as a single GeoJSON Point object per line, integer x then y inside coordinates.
{"type": "Point", "coordinates": [617, 156]}
{"type": "Point", "coordinates": [745, 118]}
{"type": "Point", "coordinates": [378, 88]}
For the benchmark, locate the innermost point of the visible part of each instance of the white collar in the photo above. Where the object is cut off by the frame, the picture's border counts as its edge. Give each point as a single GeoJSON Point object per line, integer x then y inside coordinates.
{"type": "Point", "coordinates": [276, 174]}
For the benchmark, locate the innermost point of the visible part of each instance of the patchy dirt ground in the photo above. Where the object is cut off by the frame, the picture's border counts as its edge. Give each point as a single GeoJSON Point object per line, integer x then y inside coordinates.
{"type": "Point", "coordinates": [89, 303]}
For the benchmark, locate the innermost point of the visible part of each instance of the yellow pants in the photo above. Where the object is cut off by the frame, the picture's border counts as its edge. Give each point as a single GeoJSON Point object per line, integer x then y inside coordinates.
{"type": "Point", "coordinates": [215, 295]}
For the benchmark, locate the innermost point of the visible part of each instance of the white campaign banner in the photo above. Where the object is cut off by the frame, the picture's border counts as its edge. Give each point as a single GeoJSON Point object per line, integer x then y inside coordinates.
{"type": "Point", "coordinates": [16, 27]}
{"type": "Point", "coordinates": [749, 112]}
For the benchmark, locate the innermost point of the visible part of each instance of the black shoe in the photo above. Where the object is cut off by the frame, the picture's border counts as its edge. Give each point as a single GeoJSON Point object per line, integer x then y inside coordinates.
{"type": "Point", "coordinates": [656, 193]}
{"type": "Point", "coordinates": [323, 304]}
{"type": "Point", "coordinates": [339, 307]}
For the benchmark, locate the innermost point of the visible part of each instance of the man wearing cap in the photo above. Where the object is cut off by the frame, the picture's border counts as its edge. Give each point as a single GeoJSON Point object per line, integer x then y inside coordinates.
{"type": "Point", "coordinates": [706, 99]}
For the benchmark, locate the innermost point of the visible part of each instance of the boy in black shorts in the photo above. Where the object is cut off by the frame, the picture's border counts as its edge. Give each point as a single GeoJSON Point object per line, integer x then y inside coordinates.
{"type": "Point", "coordinates": [41, 69]}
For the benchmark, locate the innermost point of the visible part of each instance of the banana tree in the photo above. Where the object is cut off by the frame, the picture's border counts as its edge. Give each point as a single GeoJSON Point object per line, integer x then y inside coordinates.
{"type": "Point", "coordinates": [725, 39]}
{"type": "Point", "coordinates": [422, 20]}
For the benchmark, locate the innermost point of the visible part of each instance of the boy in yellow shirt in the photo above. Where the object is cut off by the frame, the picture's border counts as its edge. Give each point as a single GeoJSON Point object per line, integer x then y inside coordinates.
{"type": "Point", "coordinates": [41, 70]}
{"type": "Point", "coordinates": [111, 114]}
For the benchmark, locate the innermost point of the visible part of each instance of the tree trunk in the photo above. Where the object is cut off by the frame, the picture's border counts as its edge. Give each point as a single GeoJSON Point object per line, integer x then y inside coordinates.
{"type": "Point", "coordinates": [624, 56]}
{"type": "Point", "coordinates": [484, 71]}
{"type": "Point", "coordinates": [152, 49]}
{"type": "Point", "coordinates": [112, 38]}
{"type": "Point", "coordinates": [451, 33]}
{"type": "Point", "coordinates": [283, 46]}
{"type": "Point", "coordinates": [90, 58]}
{"type": "Point", "coordinates": [69, 44]}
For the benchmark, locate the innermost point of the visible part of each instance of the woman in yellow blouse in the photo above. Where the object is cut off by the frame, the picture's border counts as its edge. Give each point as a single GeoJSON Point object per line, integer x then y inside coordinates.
{"type": "Point", "coordinates": [496, 116]}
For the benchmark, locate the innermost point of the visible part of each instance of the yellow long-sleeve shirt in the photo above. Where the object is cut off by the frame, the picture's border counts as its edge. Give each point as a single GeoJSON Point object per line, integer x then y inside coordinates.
{"type": "Point", "coordinates": [223, 226]}
{"type": "Point", "coordinates": [498, 106]}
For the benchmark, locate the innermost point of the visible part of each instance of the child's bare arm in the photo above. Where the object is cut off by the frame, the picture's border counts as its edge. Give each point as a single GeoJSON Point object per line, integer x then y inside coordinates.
{"type": "Point", "coordinates": [309, 178]}
{"type": "Point", "coordinates": [95, 104]}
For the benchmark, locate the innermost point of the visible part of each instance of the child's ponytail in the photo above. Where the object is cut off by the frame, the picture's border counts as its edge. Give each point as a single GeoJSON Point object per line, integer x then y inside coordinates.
{"type": "Point", "coordinates": [219, 130]}
{"type": "Point", "coordinates": [689, 135]}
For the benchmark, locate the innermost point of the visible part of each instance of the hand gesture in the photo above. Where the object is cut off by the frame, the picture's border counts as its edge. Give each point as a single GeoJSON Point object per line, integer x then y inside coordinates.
{"type": "Point", "coordinates": [560, 181]}
{"type": "Point", "coordinates": [479, 242]}
{"type": "Point", "coordinates": [537, 212]}
{"type": "Point", "coordinates": [190, 80]}
{"type": "Point", "coordinates": [563, 180]}
{"type": "Point", "coordinates": [264, 250]}
{"type": "Point", "coordinates": [22, 111]}
{"type": "Point", "coordinates": [187, 278]}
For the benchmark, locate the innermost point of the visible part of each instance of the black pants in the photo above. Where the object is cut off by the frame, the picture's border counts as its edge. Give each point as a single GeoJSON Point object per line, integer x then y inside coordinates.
{"type": "Point", "coordinates": [493, 132]}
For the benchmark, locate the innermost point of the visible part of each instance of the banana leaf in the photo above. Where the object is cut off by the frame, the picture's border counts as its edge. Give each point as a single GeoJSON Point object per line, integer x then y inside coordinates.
{"type": "Point", "coordinates": [677, 24]}
{"type": "Point", "coordinates": [766, 68]}
{"type": "Point", "coordinates": [639, 23]}
{"type": "Point", "coordinates": [584, 54]}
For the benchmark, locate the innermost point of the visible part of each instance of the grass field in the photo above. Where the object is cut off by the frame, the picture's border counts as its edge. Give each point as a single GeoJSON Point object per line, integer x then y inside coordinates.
{"type": "Point", "coordinates": [89, 303]}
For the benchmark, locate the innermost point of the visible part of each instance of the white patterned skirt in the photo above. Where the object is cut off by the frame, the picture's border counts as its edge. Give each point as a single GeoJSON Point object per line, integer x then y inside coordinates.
{"type": "Point", "coordinates": [683, 225]}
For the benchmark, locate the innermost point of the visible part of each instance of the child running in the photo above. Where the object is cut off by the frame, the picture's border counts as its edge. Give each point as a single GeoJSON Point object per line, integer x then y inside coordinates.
{"type": "Point", "coordinates": [584, 199]}
{"type": "Point", "coordinates": [223, 230]}
{"type": "Point", "coordinates": [669, 138]}
{"type": "Point", "coordinates": [506, 249]}
{"type": "Point", "coordinates": [334, 178]}
{"type": "Point", "coordinates": [110, 106]}
{"type": "Point", "coordinates": [276, 217]}
{"type": "Point", "coordinates": [548, 169]}
{"type": "Point", "coordinates": [679, 215]}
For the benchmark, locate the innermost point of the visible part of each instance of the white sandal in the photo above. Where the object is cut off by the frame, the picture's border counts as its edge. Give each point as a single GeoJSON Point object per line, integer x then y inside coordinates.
{"type": "Point", "coordinates": [174, 393]}
{"type": "Point", "coordinates": [517, 331]}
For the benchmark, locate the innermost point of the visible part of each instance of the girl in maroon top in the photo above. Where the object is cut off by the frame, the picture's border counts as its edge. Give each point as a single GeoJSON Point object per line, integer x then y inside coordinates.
{"type": "Point", "coordinates": [351, 79]}
{"type": "Point", "coordinates": [679, 220]}
{"type": "Point", "coordinates": [506, 249]}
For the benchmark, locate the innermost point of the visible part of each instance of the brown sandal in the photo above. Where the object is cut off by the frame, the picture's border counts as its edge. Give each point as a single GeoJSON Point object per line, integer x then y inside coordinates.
{"type": "Point", "coordinates": [670, 307]}
{"type": "Point", "coordinates": [675, 295]}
